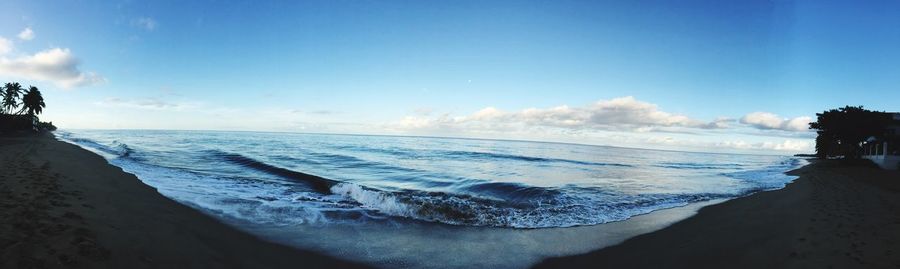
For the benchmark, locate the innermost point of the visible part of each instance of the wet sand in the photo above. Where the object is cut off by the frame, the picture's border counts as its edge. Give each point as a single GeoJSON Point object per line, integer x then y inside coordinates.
{"type": "Point", "coordinates": [832, 216]}
{"type": "Point", "coordinates": [65, 207]}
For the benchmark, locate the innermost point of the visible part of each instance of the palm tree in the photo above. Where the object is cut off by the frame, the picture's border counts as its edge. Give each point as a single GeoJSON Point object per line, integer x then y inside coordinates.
{"type": "Point", "coordinates": [33, 102]}
{"type": "Point", "coordinates": [11, 93]}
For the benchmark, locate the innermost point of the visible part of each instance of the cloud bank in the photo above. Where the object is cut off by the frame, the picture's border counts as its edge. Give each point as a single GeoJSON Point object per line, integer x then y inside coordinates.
{"type": "Point", "coordinates": [620, 121]}
{"type": "Point", "coordinates": [56, 65]}
{"type": "Point", "coordinates": [619, 114]}
{"type": "Point", "coordinates": [786, 145]}
{"type": "Point", "coordinates": [769, 121]}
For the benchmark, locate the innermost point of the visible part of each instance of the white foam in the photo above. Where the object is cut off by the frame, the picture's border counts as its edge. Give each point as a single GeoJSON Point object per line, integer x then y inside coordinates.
{"type": "Point", "coordinates": [379, 201]}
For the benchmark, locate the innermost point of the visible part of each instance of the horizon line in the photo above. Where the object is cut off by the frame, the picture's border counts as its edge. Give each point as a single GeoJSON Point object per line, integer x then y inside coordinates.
{"type": "Point", "coordinates": [433, 136]}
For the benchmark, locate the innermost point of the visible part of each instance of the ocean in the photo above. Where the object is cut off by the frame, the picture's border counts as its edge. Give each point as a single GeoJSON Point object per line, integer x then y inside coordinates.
{"type": "Point", "coordinates": [386, 200]}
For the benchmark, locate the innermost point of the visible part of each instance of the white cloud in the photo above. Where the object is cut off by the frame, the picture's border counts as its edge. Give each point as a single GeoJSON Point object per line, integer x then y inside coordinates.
{"type": "Point", "coordinates": [623, 121]}
{"type": "Point", "coordinates": [143, 103]}
{"type": "Point", "coordinates": [727, 143]}
{"type": "Point", "coordinates": [786, 145]}
{"type": "Point", "coordinates": [57, 65]}
{"type": "Point", "coordinates": [720, 123]}
{"type": "Point", "coordinates": [26, 34]}
{"type": "Point", "coordinates": [769, 121]}
{"type": "Point", "coordinates": [487, 113]}
{"type": "Point", "coordinates": [147, 23]}
{"type": "Point", "coordinates": [5, 46]}
{"type": "Point", "coordinates": [792, 145]}
{"type": "Point", "coordinates": [625, 113]}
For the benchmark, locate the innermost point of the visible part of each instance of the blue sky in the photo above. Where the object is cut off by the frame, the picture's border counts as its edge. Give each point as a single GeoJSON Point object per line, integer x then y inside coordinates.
{"type": "Point", "coordinates": [737, 77]}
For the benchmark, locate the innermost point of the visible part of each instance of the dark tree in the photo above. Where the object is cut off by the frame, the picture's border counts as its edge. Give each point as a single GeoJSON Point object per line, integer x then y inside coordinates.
{"type": "Point", "coordinates": [11, 92]}
{"type": "Point", "coordinates": [33, 102]}
{"type": "Point", "coordinates": [20, 115]}
{"type": "Point", "coordinates": [841, 131]}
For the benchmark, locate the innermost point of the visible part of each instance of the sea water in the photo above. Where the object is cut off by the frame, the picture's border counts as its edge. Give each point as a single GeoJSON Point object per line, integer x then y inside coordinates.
{"type": "Point", "coordinates": [386, 200]}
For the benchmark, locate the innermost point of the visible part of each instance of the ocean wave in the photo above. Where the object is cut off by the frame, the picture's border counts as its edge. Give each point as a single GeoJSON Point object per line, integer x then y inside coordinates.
{"type": "Point", "coordinates": [319, 184]}
{"type": "Point", "coordinates": [562, 211]}
{"type": "Point", "coordinates": [515, 205]}
{"type": "Point", "coordinates": [513, 193]}
{"type": "Point", "coordinates": [429, 154]}
{"type": "Point", "coordinates": [117, 149]}
{"type": "Point", "coordinates": [122, 149]}
{"type": "Point", "coordinates": [238, 182]}
{"type": "Point", "coordinates": [489, 155]}
{"type": "Point", "coordinates": [372, 199]}
{"type": "Point", "coordinates": [768, 178]}
{"type": "Point", "coordinates": [705, 165]}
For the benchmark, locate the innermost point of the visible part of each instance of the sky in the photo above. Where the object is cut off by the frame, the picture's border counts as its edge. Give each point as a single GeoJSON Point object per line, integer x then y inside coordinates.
{"type": "Point", "coordinates": [746, 76]}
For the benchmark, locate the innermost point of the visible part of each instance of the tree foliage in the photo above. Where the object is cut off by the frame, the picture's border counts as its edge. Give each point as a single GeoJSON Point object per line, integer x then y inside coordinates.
{"type": "Point", "coordinates": [841, 131]}
{"type": "Point", "coordinates": [21, 106]}
{"type": "Point", "coordinates": [33, 101]}
{"type": "Point", "coordinates": [11, 92]}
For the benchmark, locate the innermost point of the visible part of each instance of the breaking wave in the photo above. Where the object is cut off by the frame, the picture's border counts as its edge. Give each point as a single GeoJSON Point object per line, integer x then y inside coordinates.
{"type": "Point", "coordinates": [443, 194]}
{"type": "Point", "coordinates": [317, 183]}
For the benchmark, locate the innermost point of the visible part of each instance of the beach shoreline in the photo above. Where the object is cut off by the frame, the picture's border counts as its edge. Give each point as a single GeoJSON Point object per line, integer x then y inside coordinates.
{"type": "Point", "coordinates": [521, 247]}
{"type": "Point", "coordinates": [833, 216]}
{"type": "Point", "coordinates": [66, 207]}
{"type": "Point", "coordinates": [402, 241]}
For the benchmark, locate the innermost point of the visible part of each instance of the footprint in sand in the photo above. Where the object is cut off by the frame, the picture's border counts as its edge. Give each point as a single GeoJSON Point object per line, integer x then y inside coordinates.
{"type": "Point", "coordinates": [71, 215]}
{"type": "Point", "coordinates": [57, 203]}
{"type": "Point", "coordinates": [65, 260]}
{"type": "Point", "coordinates": [88, 248]}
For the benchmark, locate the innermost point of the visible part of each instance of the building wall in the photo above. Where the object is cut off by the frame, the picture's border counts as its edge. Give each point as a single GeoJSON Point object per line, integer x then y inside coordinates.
{"type": "Point", "coordinates": [888, 162]}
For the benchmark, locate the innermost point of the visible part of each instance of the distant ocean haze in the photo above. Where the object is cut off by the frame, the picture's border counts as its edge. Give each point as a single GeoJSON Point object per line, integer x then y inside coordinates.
{"type": "Point", "coordinates": [316, 179]}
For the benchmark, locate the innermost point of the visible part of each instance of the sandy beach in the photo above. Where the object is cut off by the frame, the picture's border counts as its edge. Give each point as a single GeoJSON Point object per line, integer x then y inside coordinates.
{"type": "Point", "coordinates": [65, 207]}
{"type": "Point", "coordinates": [832, 216]}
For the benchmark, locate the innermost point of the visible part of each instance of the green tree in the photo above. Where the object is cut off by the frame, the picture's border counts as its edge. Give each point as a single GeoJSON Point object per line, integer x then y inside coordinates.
{"type": "Point", "coordinates": [841, 131]}
{"type": "Point", "coordinates": [33, 101]}
{"type": "Point", "coordinates": [11, 92]}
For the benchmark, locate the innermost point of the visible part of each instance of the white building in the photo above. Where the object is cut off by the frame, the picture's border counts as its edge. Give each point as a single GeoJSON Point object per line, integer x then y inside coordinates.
{"type": "Point", "coordinates": [885, 153]}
